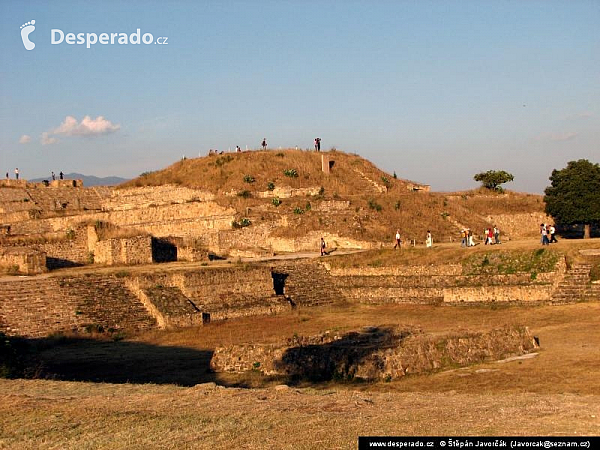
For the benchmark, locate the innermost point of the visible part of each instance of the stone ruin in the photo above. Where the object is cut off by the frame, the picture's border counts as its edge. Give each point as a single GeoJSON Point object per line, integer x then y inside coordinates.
{"type": "Point", "coordinates": [381, 353]}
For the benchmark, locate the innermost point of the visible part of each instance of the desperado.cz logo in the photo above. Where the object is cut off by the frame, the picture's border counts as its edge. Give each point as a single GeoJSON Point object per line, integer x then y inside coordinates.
{"type": "Point", "coordinates": [89, 39]}
{"type": "Point", "coordinates": [58, 37]}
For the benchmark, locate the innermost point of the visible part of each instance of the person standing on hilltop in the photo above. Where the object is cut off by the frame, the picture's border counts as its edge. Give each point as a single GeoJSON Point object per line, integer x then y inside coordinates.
{"type": "Point", "coordinates": [53, 176]}
{"type": "Point", "coordinates": [17, 173]}
{"type": "Point", "coordinates": [61, 175]}
{"type": "Point", "coordinates": [317, 144]}
{"type": "Point", "coordinates": [264, 144]}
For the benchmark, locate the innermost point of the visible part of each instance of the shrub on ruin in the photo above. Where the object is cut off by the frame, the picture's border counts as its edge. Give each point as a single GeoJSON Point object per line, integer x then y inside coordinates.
{"type": "Point", "coordinates": [249, 179]}
{"type": "Point", "coordinates": [222, 160]}
{"type": "Point", "coordinates": [70, 234]}
{"type": "Point", "coordinates": [242, 223]}
{"type": "Point", "coordinates": [374, 205]}
{"type": "Point", "coordinates": [276, 202]}
{"type": "Point", "coordinates": [298, 210]}
{"type": "Point", "coordinates": [292, 173]}
{"type": "Point", "coordinates": [244, 194]}
{"type": "Point", "coordinates": [271, 186]}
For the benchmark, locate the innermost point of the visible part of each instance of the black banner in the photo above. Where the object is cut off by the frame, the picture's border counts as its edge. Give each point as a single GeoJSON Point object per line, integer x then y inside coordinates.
{"type": "Point", "coordinates": [501, 442]}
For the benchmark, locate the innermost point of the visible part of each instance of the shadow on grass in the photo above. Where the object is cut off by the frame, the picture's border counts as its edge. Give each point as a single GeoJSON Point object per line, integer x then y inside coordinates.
{"type": "Point", "coordinates": [348, 357]}
{"type": "Point", "coordinates": [108, 361]}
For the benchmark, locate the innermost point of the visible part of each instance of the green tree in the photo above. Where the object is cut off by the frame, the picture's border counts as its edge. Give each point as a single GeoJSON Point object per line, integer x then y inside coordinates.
{"type": "Point", "coordinates": [574, 195]}
{"type": "Point", "coordinates": [492, 179]}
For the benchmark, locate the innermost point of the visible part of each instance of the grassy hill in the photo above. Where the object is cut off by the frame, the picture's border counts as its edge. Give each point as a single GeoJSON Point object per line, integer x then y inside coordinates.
{"type": "Point", "coordinates": [378, 203]}
{"type": "Point", "coordinates": [350, 174]}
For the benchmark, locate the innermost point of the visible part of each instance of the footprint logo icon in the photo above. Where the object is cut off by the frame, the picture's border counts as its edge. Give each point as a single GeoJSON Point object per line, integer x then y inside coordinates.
{"type": "Point", "coordinates": [26, 30]}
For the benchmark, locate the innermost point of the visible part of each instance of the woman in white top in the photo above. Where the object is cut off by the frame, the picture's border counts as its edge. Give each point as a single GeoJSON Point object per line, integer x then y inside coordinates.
{"type": "Point", "coordinates": [429, 240]}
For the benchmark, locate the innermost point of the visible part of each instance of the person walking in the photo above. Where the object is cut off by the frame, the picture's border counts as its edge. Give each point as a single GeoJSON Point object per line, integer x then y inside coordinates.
{"type": "Point", "coordinates": [264, 144]}
{"type": "Point", "coordinates": [463, 238]}
{"type": "Point", "coordinates": [398, 241]}
{"type": "Point", "coordinates": [323, 246]}
{"type": "Point", "coordinates": [317, 144]}
{"type": "Point", "coordinates": [553, 234]}
{"type": "Point", "coordinates": [53, 176]}
{"type": "Point", "coordinates": [496, 235]}
{"type": "Point", "coordinates": [470, 242]}
{"type": "Point", "coordinates": [61, 175]}
{"type": "Point", "coordinates": [544, 234]}
{"type": "Point", "coordinates": [490, 236]}
{"type": "Point", "coordinates": [429, 239]}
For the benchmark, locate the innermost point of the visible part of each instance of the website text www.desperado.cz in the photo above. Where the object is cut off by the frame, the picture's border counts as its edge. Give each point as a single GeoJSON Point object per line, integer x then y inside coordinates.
{"type": "Point", "coordinates": [58, 37]}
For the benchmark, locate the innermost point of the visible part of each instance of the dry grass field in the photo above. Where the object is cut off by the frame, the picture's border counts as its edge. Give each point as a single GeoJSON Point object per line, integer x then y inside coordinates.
{"type": "Point", "coordinates": [155, 391]}
{"type": "Point", "coordinates": [165, 404]}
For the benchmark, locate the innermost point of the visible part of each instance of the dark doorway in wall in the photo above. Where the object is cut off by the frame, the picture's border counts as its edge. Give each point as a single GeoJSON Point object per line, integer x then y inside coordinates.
{"type": "Point", "coordinates": [163, 250]}
{"type": "Point", "coordinates": [279, 282]}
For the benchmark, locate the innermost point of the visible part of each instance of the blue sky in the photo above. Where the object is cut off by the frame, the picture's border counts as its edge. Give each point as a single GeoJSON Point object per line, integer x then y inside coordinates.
{"type": "Point", "coordinates": [434, 90]}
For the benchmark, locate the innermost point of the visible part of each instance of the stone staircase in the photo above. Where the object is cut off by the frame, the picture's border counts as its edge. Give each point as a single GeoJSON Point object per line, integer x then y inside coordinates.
{"type": "Point", "coordinates": [308, 284]}
{"type": "Point", "coordinates": [172, 306]}
{"type": "Point", "coordinates": [575, 285]}
{"type": "Point", "coordinates": [38, 307]}
{"type": "Point", "coordinates": [72, 199]}
{"type": "Point", "coordinates": [372, 186]}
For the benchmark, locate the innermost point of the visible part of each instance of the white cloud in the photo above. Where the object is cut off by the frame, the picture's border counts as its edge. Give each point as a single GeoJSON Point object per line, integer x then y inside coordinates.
{"type": "Point", "coordinates": [87, 126]}
{"type": "Point", "coordinates": [46, 139]}
{"type": "Point", "coordinates": [25, 139]}
{"type": "Point", "coordinates": [559, 137]}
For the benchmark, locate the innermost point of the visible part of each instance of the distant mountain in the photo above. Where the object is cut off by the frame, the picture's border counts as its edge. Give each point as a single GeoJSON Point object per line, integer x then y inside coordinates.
{"type": "Point", "coordinates": [88, 180]}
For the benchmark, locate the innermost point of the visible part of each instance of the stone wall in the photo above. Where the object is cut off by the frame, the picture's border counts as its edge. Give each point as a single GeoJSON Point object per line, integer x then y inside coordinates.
{"type": "Point", "coordinates": [70, 251]}
{"type": "Point", "coordinates": [441, 269]}
{"type": "Point", "coordinates": [206, 294]}
{"type": "Point", "coordinates": [532, 293]}
{"type": "Point", "coordinates": [168, 220]}
{"type": "Point", "coordinates": [133, 250]}
{"type": "Point", "coordinates": [443, 283]}
{"type": "Point", "coordinates": [523, 224]}
{"type": "Point", "coordinates": [24, 261]}
{"type": "Point", "coordinates": [373, 353]}
{"type": "Point", "coordinates": [145, 197]}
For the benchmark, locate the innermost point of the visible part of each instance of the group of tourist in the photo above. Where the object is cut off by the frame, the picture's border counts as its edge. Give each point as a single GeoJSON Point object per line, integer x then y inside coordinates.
{"type": "Point", "coordinates": [263, 145]}
{"type": "Point", "coordinates": [491, 235]}
{"type": "Point", "coordinates": [548, 234]}
{"type": "Point", "coordinates": [398, 240]}
{"type": "Point", "coordinates": [466, 238]}
{"type": "Point", "coordinates": [60, 175]}
{"type": "Point", "coordinates": [16, 174]}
